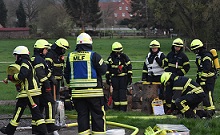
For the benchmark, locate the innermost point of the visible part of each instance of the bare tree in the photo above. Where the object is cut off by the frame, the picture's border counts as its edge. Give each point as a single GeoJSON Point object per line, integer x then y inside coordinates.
{"type": "Point", "coordinates": [31, 8]}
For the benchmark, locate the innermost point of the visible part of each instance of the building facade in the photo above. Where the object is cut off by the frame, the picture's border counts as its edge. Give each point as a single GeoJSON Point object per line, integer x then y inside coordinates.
{"type": "Point", "coordinates": [114, 11]}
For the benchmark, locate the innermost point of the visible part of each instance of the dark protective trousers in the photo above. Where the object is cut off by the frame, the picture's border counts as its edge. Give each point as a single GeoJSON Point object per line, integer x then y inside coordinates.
{"type": "Point", "coordinates": [168, 93]}
{"type": "Point", "coordinates": [93, 106]}
{"type": "Point", "coordinates": [119, 95]}
{"type": "Point", "coordinates": [19, 110]}
{"type": "Point", "coordinates": [47, 103]}
{"type": "Point", "coordinates": [208, 88]}
{"type": "Point", "coordinates": [187, 103]}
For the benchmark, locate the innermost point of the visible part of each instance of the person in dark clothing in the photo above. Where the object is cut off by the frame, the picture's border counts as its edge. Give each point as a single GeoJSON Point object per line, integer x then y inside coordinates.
{"type": "Point", "coordinates": [154, 63]}
{"type": "Point", "coordinates": [154, 66]}
{"type": "Point", "coordinates": [47, 102]}
{"type": "Point", "coordinates": [29, 92]}
{"type": "Point", "coordinates": [119, 75]}
{"type": "Point", "coordinates": [83, 72]}
{"type": "Point", "coordinates": [176, 62]}
{"type": "Point", "coordinates": [55, 62]}
{"type": "Point", "coordinates": [206, 74]}
{"type": "Point", "coordinates": [187, 94]}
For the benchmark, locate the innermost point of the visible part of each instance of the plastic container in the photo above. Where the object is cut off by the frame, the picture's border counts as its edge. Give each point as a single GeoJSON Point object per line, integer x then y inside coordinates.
{"type": "Point", "coordinates": [115, 132]}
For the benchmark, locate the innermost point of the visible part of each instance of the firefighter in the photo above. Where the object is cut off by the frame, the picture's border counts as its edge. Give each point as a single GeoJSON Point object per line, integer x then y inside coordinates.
{"type": "Point", "coordinates": [206, 74]}
{"type": "Point", "coordinates": [154, 63]}
{"type": "Point", "coordinates": [176, 62]}
{"type": "Point", "coordinates": [55, 61]}
{"type": "Point", "coordinates": [119, 75]}
{"type": "Point", "coordinates": [29, 92]}
{"type": "Point", "coordinates": [187, 94]}
{"type": "Point", "coordinates": [46, 99]}
{"type": "Point", "coordinates": [83, 72]}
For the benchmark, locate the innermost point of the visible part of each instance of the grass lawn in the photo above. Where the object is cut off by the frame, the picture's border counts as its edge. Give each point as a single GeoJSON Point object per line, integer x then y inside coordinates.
{"type": "Point", "coordinates": [136, 49]}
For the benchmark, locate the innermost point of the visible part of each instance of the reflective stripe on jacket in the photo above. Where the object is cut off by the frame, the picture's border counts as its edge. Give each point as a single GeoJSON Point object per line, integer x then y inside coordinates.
{"type": "Point", "coordinates": [83, 77]}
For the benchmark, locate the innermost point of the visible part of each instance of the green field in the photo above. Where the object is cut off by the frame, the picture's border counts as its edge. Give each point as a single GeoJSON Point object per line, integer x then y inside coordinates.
{"type": "Point", "coordinates": [136, 49]}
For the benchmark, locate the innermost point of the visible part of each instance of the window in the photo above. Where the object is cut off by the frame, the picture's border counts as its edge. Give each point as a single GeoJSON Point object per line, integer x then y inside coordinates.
{"type": "Point", "coordinates": [123, 14]}
{"type": "Point", "coordinates": [126, 8]}
{"type": "Point", "coordinates": [115, 14]}
{"type": "Point", "coordinates": [120, 8]}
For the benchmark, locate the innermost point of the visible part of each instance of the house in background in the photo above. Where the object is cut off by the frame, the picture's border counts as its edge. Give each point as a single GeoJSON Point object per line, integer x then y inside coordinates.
{"type": "Point", "coordinates": [114, 11]}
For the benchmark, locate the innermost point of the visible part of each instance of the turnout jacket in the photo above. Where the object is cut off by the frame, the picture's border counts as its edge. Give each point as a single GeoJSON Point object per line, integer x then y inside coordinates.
{"type": "Point", "coordinates": [41, 69]}
{"type": "Point", "coordinates": [55, 63]}
{"type": "Point", "coordinates": [206, 68]}
{"type": "Point", "coordinates": [83, 72]}
{"type": "Point", "coordinates": [27, 77]}
{"type": "Point", "coordinates": [182, 86]}
{"type": "Point", "coordinates": [153, 65]}
{"type": "Point", "coordinates": [177, 63]}
{"type": "Point", "coordinates": [118, 65]}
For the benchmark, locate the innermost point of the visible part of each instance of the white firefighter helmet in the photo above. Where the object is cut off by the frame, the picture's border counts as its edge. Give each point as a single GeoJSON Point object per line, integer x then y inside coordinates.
{"type": "Point", "coordinates": [84, 38]}
{"type": "Point", "coordinates": [21, 50]}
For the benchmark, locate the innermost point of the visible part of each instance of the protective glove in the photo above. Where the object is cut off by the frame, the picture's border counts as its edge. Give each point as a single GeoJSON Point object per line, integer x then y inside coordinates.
{"type": "Point", "coordinates": [169, 112]}
{"type": "Point", "coordinates": [53, 80]}
{"type": "Point", "coordinates": [48, 89]}
{"type": "Point", "coordinates": [11, 77]}
{"type": "Point", "coordinates": [129, 78]}
{"type": "Point", "coordinates": [108, 79]}
{"type": "Point", "coordinates": [120, 67]}
{"type": "Point", "coordinates": [157, 58]}
{"type": "Point", "coordinates": [18, 87]}
{"type": "Point", "coordinates": [176, 112]}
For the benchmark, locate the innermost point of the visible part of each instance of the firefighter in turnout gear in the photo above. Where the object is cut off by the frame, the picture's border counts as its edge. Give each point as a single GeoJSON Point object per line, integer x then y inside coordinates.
{"type": "Point", "coordinates": [55, 62]}
{"type": "Point", "coordinates": [46, 99]}
{"type": "Point", "coordinates": [176, 62]}
{"type": "Point", "coordinates": [119, 75]}
{"type": "Point", "coordinates": [154, 63]}
{"type": "Point", "coordinates": [206, 74]}
{"type": "Point", "coordinates": [83, 72]}
{"type": "Point", "coordinates": [187, 94]}
{"type": "Point", "coordinates": [29, 92]}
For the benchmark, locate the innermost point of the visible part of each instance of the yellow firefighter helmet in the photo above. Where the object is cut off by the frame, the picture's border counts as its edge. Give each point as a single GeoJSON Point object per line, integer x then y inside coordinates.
{"type": "Point", "coordinates": [41, 44]}
{"type": "Point", "coordinates": [117, 47]}
{"type": "Point", "coordinates": [154, 44]}
{"type": "Point", "coordinates": [63, 43]}
{"type": "Point", "coordinates": [165, 77]}
{"type": "Point", "coordinates": [195, 44]}
{"type": "Point", "coordinates": [178, 42]}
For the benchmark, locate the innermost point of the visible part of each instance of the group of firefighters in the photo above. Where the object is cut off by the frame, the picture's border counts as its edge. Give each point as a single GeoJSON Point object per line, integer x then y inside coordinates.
{"type": "Point", "coordinates": [181, 94]}
{"type": "Point", "coordinates": [41, 76]}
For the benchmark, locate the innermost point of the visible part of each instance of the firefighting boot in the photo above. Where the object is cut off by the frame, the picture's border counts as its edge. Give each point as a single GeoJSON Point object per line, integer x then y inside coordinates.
{"type": "Point", "coordinates": [52, 127]}
{"type": "Point", "coordinates": [41, 129]}
{"type": "Point", "coordinates": [9, 130]}
{"type": "Point", "coordinates": [190, 114]}
{"type": "Point", "coordinates": [123, 108]}
{"type": "Point", "coordinates": [3, 130]}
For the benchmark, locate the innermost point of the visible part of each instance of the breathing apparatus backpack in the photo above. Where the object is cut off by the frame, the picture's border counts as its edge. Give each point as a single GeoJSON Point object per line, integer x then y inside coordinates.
{"type": "Point", "coordinates": [215, 60]}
